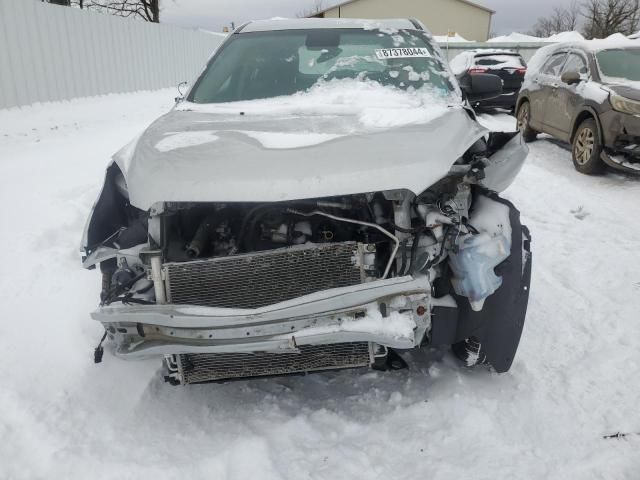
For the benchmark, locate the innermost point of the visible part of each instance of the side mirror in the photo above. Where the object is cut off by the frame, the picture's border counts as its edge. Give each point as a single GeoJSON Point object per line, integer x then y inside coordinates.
{"type": "Point", "coordinates": [481, 86]}
{"type": "Point", "coordinates": [182, 89]}
{"type": "Point", "coordinates": [571, 78]}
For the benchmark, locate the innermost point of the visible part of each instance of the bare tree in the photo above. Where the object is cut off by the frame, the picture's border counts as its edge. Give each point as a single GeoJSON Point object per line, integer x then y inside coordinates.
{"type": "Point", "coordinates": [563, 19]}
{"type": "Point", "coordinates": [317, 7]}
{"type": "Point", "coordinates": [148, 10]}
{"type": "Point", "coordinates": [605, 17]}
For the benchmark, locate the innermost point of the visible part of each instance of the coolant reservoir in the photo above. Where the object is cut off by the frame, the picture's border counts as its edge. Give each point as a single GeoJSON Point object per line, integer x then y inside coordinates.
{"type": "Point", "coordinates": [473, 266]}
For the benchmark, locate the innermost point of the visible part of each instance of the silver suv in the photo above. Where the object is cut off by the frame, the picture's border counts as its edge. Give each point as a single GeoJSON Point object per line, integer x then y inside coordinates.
{"type": "Point", "coordinates": [321, 199]}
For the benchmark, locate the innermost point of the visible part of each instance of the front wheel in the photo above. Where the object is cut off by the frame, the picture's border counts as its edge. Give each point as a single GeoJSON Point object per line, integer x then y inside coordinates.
{"type": "Point", "coordinates": [524, 117]}
{"type": "Point", "coordinates": [587, 148]}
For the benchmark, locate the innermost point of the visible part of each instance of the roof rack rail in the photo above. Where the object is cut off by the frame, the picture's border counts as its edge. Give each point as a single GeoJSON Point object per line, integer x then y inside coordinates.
{"type": "Point", "coordinates": [416, 24]}
{"type": "Point", "coordinates": [239, 29]}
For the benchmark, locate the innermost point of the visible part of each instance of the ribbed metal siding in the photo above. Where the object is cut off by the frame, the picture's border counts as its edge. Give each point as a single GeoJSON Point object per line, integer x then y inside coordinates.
{"type": "Point", "coordinates": [198, 368]}
{"type": "Point", "coordinates": [263, 278]}
{"type": "Point", "coordinates": [50, 53]}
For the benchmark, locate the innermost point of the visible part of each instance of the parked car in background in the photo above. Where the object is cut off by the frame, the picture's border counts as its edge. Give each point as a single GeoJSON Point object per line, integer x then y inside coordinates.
{"type": "Point", "coordinates": [587, 94]}
{"type": "Point", "coordinates": [506, 64]}
{"type": "Point", "coordinates": [321, 198]}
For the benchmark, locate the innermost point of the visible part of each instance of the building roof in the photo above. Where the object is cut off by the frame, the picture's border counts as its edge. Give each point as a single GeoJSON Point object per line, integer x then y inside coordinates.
{"type": "Point", "coordinates": [347, 2]}
{"type": "Point", "coordinates": [312, 23]}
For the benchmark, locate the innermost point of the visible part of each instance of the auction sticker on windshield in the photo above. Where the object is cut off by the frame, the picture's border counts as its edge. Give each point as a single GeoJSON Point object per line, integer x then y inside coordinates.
{"type": "Point", "coordinates": [384, 53]}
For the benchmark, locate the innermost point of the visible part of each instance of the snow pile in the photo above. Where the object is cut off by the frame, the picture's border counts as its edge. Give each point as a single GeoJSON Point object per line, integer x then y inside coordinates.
{"type": "Point", "coordinates": [565, 37]}
{"type": "Point", "coordinates": [375, 106]}
{"type": "Point", "coordinates": [62, 417]}
{"type": "Point", "coordinates": [516, 37]}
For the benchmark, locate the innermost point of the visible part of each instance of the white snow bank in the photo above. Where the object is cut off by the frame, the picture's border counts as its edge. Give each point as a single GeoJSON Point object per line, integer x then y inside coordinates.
{"type": "Point", "coordinates": [516, 37]}
{"type": "Point", "coordinates": [565, 37]}
{"type": "Point", "coordinates": [375, 105]}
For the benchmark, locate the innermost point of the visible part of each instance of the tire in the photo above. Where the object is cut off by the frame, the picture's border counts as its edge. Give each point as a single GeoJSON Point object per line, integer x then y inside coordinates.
{"type": "Point", "coordinates": [586, 148]}
{"type": "Point", "coordinates": [470, 352]}
{"type": "Point", "coordinates": [523, 117]}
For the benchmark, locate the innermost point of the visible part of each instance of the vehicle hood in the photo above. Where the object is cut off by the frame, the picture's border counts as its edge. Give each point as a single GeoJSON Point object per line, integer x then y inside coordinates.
{"type": "Point", "coordinates": [189, 156]}
{"type": "Point", "coordinates": [626, 91]}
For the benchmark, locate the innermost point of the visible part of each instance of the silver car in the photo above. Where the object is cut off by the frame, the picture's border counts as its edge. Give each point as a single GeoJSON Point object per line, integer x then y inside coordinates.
{"type": "Point", "coordinates": [321, 198]}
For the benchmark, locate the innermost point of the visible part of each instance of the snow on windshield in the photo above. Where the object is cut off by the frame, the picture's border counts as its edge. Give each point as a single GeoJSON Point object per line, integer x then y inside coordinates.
{"type": "Point", "coordinates": [279, 63]}
{"type": "Point", "coordinates": [374, 105]}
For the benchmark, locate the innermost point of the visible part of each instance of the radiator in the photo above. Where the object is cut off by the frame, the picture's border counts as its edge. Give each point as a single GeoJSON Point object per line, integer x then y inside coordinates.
{"type": "Point", "coordinates": [263, 278]}
{"type": "Point", "coordinates": [216, 367]}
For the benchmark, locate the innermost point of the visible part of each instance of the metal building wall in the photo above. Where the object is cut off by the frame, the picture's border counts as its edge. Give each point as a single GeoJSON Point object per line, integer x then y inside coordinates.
{"type": "Point", "coordinates": [50, 53]}
{"type": "Point", "coordinates": [440, 16]}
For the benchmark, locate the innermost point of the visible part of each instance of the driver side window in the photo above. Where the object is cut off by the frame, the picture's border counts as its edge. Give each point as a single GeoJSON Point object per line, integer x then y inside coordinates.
{"type": "Point", "coordinates": [576, 63]}
{"type": "Point", "coordinates": [554, 64]}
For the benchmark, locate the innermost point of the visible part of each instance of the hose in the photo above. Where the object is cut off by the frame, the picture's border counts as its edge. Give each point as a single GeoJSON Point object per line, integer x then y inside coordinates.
{"type": "Point", "coordinates": [357, 222]}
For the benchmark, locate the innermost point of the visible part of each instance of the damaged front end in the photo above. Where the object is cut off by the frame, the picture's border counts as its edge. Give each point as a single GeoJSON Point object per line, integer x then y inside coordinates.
{"type": "Point", "coordinates": [228, 290]}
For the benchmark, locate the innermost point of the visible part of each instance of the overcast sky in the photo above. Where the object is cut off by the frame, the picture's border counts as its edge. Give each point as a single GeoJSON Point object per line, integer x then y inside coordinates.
{"type": "Point", "coordinates": [511, 15]}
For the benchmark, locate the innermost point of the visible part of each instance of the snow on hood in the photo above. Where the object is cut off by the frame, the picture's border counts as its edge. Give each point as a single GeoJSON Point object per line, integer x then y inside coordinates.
{"type": "Point", "coordinates": [374, 105]}
{"type": "Point", "coordinates": [335, 140]}
{"type": "Point", "coordinates": [625, 88]}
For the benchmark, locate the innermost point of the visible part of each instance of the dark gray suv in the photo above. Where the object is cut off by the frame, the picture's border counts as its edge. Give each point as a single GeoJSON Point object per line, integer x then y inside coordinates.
{"type": "Point", "coordinates": [586, 94]}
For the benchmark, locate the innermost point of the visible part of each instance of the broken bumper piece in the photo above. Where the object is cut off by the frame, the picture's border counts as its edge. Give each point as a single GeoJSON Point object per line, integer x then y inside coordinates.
{"type": "Point", "coordinates": [392, 313]}
{"type": "Point", "coordinates": [621, 162]}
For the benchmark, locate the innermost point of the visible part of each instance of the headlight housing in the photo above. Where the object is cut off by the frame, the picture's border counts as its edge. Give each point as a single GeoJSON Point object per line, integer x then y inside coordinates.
{"type": "Point", "coordinates": [624, 105]}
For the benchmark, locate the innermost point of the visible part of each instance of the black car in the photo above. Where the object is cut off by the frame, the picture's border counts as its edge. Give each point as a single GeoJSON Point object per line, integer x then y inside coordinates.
{"type": "Point", "coordinates": [586, 94]}
{"type": "Point", "coordinates": [506, 64]}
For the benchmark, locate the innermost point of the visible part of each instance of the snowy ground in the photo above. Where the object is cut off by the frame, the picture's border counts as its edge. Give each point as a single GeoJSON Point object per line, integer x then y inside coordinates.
{"type": "Point", "coordinates": [575, 379]}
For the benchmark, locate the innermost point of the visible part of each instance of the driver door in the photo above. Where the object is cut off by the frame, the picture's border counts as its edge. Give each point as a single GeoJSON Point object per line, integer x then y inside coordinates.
{"type": "Point", "coordinates": [564, 100]}
{"type": "Point", "coordinates": [544, 83]}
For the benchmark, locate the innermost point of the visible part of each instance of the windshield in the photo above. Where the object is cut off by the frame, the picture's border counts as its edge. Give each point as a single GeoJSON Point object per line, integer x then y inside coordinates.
{"type": "Point", "coordinates": [271, 64]}
{"type": "Point", "coordinates": [620, 63]}
{"type": "Point", "coordinates": [500, 61]}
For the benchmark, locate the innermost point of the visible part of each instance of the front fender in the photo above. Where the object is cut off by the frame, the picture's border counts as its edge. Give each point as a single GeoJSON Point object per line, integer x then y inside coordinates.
{"type": "Point", "coordinates": [498, 326]}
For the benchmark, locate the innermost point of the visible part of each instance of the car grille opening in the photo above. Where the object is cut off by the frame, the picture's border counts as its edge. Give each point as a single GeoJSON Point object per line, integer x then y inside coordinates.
{"type": "Point", "coordinates": [217, 367]}
{"type": "Point", "coordinates": [263, 278]}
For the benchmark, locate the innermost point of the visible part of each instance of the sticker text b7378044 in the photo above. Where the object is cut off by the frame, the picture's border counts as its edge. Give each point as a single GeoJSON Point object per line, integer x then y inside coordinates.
{"type": "Point", "coordinates": [410, 52]}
